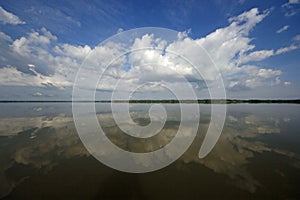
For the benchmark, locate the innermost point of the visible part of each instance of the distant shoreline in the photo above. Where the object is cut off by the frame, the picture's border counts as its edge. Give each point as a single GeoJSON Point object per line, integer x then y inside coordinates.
{"type": "Point", "coordinates": [172, 101]}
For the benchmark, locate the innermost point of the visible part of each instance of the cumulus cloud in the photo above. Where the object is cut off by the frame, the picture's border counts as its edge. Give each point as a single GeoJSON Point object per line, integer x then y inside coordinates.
{"type": "Point", "coordinates": [231, 50]}
{"type": "Point", "coordinates": [11, 76]}
{"type": "Point", "coordinates": [35, 44]}
{"type": "Point", "coordinates": [39, 60]}
{"type": "Point", "coordinates": [284, 28]}
{"type": "Point", "coordinates": [267, 73]}
{"type": "Point", "coordinates": [9, 18]}
{"type": "Point", "coordinates": [73, 51]}
{"type": "Point", "coordinates": [35, 60]}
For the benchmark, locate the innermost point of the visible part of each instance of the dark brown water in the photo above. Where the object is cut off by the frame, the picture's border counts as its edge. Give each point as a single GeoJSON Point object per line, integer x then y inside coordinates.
{"type": "Point", "coordinates": [257, 156]}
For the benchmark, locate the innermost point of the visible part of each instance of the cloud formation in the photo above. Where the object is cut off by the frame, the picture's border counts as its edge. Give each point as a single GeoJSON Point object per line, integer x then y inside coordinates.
{"type": "Point", "coordinates": [297, 38]}
{"type": "Point", "coordinates": [38, 59]}
{"type": "Point", "coordinates": [9, 18]}
{"type": "Point", "coordinates": [291, 8]}
{"type": "Point", "coordinates": [284, 28]}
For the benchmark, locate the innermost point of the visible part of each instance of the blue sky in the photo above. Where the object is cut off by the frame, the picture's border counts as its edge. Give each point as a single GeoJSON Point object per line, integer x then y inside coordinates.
{"type": "Point", "coordinates": [47, 40]}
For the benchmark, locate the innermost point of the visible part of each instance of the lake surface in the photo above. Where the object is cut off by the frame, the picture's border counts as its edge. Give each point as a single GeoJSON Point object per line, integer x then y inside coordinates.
{"type": "Point", "coordinates": [257, 155]}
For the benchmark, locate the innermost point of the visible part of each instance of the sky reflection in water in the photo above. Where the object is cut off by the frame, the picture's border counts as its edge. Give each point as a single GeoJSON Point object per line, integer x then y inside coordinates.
{"type": "Point", "coordinates": [257, 155]}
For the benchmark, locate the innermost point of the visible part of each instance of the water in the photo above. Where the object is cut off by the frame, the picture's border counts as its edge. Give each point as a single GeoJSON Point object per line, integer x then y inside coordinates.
{"type": "Point", "coordinates": [257, 155]}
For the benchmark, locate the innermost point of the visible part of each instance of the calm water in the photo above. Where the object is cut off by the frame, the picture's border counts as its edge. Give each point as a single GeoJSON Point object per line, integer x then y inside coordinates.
{"type": "Point", "coordinates": [257, 155]}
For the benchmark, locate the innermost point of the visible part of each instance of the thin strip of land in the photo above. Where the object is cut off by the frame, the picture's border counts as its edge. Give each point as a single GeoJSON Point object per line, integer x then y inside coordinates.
{"type": "Point", "coordinates": [199, 101]}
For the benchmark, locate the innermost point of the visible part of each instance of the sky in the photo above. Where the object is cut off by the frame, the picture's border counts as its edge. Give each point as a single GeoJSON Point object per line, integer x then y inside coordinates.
{"type": "Point", "coordinates": [254, 44]}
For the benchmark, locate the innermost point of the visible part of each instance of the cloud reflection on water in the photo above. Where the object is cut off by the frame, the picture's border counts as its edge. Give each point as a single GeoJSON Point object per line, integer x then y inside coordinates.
{"type": "Point", "coordinates": [56, 139]}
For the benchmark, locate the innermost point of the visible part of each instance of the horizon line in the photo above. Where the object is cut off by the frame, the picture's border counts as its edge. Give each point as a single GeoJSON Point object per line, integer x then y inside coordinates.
{"type": "Point", "coordinates": [200, 101]}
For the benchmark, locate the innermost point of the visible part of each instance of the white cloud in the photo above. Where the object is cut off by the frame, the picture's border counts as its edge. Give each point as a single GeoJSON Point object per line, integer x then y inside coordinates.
{"type": "Point", "coordinates": [291, 8]}
{"type": "Point", "coordinates": [284, 28]}
{"type": "Point", "coordinates": [48, 34]}
{"type": "Point", "coordinates": [59, 64]}
{"type": "Point", "coordinates": [290, 3]}
{"type": "Point", "coordinates": [287, 83]}
{"type": "Point", "coordinates": [5, 37]}
{"type": "Point", "coordinates": [256, 56]}
{"type": "Point", "coordinates": [250, 18]}
{"type": "Point", "coordinates": [297, 38]}
{"type": "Point", "coordinates": [230, 49]}
{"type": "Point", "coordinates": [286, 49]}
{"type": "Point", "coordinates": [11, 76]}
{"type": "Point", "coordinates": [268, 73]}
{"type": "Point", "coordinates": [47, 68]}
{"type": "Point", "coordinates": [78, 52]}
{"type": "Point", "coordinates": [161, 65]}
{"type": "Point", "coordinates": [120, 30]}
{"type": "Point", "coordinates": [294, 1]}
{"type": "Point", "coordinates": [257, 82]}
{"type": "Point", "coordinates": [263, 54]}
{"type": "Point", "coordinates": [184, 34]}
{"type": "Point", "coordinates": [9, 18]}
{"type": "Point", "coordinates": [35, 44]}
